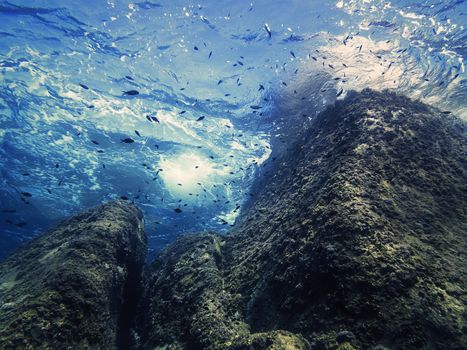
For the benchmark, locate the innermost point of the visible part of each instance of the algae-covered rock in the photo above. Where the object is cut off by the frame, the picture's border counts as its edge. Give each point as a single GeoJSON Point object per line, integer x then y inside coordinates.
{"type": "Point", "coordinates": [355, 238]}
{"type": "Point", "coordinates": [75, 286]}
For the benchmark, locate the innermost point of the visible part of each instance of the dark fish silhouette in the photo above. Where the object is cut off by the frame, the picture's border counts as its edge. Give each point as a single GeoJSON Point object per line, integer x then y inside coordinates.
{"type": "Point", "coordinates": [26, 194]}
{"type": "Point", "coordinates": [85, 87]}
{"type": "Point", "coordinates": [261, 87]}
{"type": "Point", "coordinates": [210, 54]}
{"type": "Point", "coordinates": [200, 118]}
{"type": "Point", "coordinates": [220, 82]}
{"type": "Point", "coordinates": [195, 48]}
{"type": "Point", "coordinates": [255, 107]}
{"type": "Point", "coordinates": [177, 210]}
{"type": "Point", "coordinates": [128, 140]}
{"type": "Point", "coordinates": [293, 54]}
{"type": "Point", "coordinates": [268, 30]}
{"type": "Point", "coordinates": [95, 142]}
{"type": "Point", "coordinates": [128, 77]}
{"type": "Point", "coordinates": [340, 93]}
{"type": "Point", "coordinates": [131, 92]}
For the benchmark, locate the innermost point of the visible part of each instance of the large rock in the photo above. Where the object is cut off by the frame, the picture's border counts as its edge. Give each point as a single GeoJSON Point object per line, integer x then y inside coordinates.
{"type": "Point", "coordinates": [355, 238]}
{"type": "Point", "coordinates": [76, 286]}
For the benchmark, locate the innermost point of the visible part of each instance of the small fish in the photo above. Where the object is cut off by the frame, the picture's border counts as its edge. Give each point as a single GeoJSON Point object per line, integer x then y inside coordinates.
{"type": "Point", "coordinates": [131, 92]}
{"type": "Point", "coordinates": [446, 112]}
{"type": "Point", "coordinates": [220, 82]}
{"type": "Point", "coordinates": [128, 77]}
{"type": "Point", "coordinates": [340, 93]}
{"type": "Point", "coordinates": [26, 194]}
{"type": "Point", "coordinates": [128, 140]}
{"type": "Point", "coordinates": [155, 119]}
{"type": "Point", "coordinates": [255, 107]}
{"type": "Point", "coordinates": [210, 54]}
{"type": "Point", "coordinates": [293, 54]}
{"type": "Point", "coordinates": [178, 210]}
{"type": "Point", "coordinates": [85, 87]}
{"type": "Point", "coordinates": [95, 142]}
{"type": "Point", "coordinates": [313, 57]}
{"type": "Point", "coordinates": [125, 198]}
{"type": "Point", "coordinates": [261, 87]}
{"type": "Point", "coordinates": [137, 133]}
{"type": "Point", "coordinates": [195, 48]}
{"type": "Point", "coordinates": [268, 30]}
{"type": "Point", "coordinates": [182, 112]}
{"type": "Point", "coordinates": [200, 118]}
{"type": "Point", "coordinates": [148, 117]}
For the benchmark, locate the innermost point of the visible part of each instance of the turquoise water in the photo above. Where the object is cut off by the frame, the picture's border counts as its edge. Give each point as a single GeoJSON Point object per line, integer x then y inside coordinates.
{"type": "Point", "coordinates": [176, 105]}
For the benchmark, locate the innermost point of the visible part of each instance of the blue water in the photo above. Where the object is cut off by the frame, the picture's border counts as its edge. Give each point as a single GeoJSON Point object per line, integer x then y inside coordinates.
{"type": "Point", "coordinates": [216, 82]}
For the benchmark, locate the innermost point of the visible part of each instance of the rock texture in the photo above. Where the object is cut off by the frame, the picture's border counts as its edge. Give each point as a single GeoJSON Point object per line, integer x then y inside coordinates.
{"type": "Point", "coordinates": [355, 239]}
{"type": "Point", "coordinates": [75, 287]}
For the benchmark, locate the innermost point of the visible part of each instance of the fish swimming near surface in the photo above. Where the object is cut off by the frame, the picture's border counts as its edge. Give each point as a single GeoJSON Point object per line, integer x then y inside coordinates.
{"type": "Point", "coordinates": [131, 93]}
{"type": "Point", "coordinates": [268, 30]}
{"type": "Point", "coordinates": [128, 140]}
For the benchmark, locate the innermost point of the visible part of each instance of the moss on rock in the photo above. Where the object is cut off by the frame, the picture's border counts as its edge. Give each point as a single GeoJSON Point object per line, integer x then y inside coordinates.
{"type": "Point", "coordinates": [72, 287]}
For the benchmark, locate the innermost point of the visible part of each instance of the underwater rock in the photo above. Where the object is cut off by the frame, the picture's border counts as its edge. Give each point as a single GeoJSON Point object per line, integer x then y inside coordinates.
{"type": "Point", "coordinates": [355, 240]}
{"type": "Point", "coordinates": [75, 287]}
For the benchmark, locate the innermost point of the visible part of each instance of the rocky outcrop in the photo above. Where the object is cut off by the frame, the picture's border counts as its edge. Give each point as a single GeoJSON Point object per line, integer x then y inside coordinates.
{"type": "Point", "coordinates": [355, 239]}
{"type": "Point", "coordinates": [76, 286]}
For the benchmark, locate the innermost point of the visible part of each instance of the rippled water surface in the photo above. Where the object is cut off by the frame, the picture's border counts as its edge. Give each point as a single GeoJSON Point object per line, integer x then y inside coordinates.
{"type": "Point", "coordinates": [173, 104]}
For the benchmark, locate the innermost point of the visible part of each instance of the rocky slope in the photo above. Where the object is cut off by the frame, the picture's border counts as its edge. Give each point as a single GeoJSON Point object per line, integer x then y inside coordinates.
{"type": "Point", "coordinates": [355, 239]}
{"type": "Point", "coordinates": [75, 287]}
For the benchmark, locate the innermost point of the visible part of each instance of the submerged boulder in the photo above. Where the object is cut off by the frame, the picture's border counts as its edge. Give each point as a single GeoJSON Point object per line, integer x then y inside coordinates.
{"type": "Point", "coordinates": [355, 239]}
{"type": "Point", "coordinates": [76, 286]}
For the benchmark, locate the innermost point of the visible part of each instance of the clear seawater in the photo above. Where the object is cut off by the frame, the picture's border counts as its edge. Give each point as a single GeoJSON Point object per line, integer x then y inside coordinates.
{"type": "Point", "coordinates": [215, 80]}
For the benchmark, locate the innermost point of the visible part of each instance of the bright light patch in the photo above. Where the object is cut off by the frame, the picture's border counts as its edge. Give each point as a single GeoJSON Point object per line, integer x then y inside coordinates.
{"type": "Point", "coordinates": [183, 174]}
